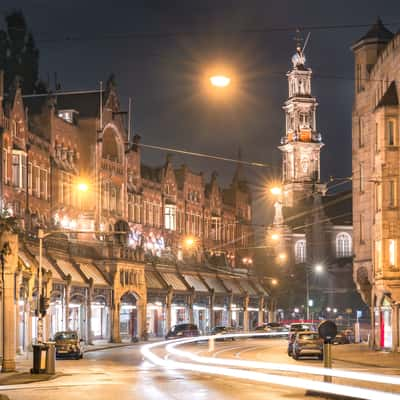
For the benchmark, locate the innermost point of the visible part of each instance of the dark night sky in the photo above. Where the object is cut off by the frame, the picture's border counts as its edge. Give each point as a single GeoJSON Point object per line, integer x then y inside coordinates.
{"type": "Point", "coordinates": [165, 75]}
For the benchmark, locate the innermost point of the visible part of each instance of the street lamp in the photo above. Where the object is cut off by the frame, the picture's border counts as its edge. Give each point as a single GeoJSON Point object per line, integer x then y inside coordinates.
{"type": "Point", "coordinates": [317, 268]}
{"type": "Point", "coordinates": [276, 190]}
{"type": "Point", "coordinates": [220, 81]}
{"type": "Point", "coordinates": [247, 261]}
{"type": "Point", "coordinates": [275, 237]}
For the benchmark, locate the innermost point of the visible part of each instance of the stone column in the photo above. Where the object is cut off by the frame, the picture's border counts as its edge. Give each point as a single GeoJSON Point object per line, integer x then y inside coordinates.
{"type": "Point", "coordinates": [395, 327]}
{"type": "Point", "coordinates": [168, 309]}
{"type": "Point", "coordinates": [190, 306]}
{"type": "Point", "coordinates": [48, 289]}
{"type": "Point", "coordinates": [115, 333]}
{"type": "Point", "coordinates": [261, 305]}
{"type": "Point", "coordinates": [18, 283]}
{"type": "Point", "coordinates": [9, 248]}
{"type": "Point", "coordinates": [246, 313]}
{"type": "Point", "coordinates": [230, 302]}
{"type": "Point", "coordinates": [142, 319]}
{"type": "Point", "coordinates": [211, 309]}
{"type": "Point", "coordinates": [66, 305]}
{"type": "Point", "coordinates": [89, 313]}
{"type": "Point", "coordinates": [271, 310]}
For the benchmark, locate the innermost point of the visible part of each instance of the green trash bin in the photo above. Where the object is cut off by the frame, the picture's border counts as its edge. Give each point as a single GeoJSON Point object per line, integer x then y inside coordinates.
{"type": "Point", "coordinates": [39, 358]}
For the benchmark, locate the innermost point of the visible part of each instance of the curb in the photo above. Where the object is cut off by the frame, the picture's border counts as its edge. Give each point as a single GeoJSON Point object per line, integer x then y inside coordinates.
{"type": "Point", "coordinates": [324, 395]}
{"type": "Point", "coordinates": [29, 379]}
{"type": "Point", "coordinates": [118, 346]}
{"type": "Point", "coordinates": [363, 363]}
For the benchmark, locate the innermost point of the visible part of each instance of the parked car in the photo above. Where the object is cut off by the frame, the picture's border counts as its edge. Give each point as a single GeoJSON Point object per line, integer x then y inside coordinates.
{"type": "Point", "coordinates": [221, 331]}
{"type": "Point", "coordinates": [182, 330]}
{"type": "Point", "coordinates": [341, 338]}
{"type": "Point", "coordinates": [68, 345]}
{"type": "Point", "coordinates": [273, 327]}
{"type": "Point", "coordinates": [307, 343]}
{"type": "Point", "coordinates": [298, 327]}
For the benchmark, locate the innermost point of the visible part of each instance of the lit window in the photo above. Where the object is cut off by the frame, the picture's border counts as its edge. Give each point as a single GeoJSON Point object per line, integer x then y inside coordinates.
{"type": "Point", "coordinates": [392, 252]}
{"type": "Point", "coordinates": [343, 245]}
{"type": "Point", "coordinates": [19, 170]}
{"type": "Point", "coordinates": [300, 251]}
{"type": "Point", "coordinates": [216, 228]}
{"type": "Point", "coordinates": [170, 217]}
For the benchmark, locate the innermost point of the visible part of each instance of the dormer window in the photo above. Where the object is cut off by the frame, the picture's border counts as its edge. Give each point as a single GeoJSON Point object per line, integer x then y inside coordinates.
{"type": "Point", "coordinates": [69, 116]}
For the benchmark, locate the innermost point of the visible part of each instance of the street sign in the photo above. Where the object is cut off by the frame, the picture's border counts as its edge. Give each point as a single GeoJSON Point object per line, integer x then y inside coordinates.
{"type": "Point", "coordinates": [327, 330]}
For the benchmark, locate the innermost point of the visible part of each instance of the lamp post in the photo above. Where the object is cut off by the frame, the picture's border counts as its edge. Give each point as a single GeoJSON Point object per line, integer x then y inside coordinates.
{"type": "Point", "coordinates": [318, 268]}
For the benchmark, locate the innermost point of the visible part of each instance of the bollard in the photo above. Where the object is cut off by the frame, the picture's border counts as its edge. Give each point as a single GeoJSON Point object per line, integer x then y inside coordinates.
{"type": "Point", "coordinates": [327, 359]}
{"type": "Point", "coordinates": [37, 359]}
{"type": "Point", "coordinates": [51, 358]}
{"type": "Point", "coordinates": [211, 344]}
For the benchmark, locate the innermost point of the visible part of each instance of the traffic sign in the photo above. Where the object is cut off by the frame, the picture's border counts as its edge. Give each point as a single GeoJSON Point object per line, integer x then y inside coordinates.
{"type": "Point", "coordinates": [327, 330]}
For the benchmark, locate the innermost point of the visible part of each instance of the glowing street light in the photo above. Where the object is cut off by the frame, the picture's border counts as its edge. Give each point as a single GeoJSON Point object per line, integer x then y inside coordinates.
{"type": "Point", "coordinates": [83, 187]}
{"type": "Point", "coordinates": [275, 236]}
{"type": "Point", "coordinates": [282, 257]}
{"type": "Point", "coordinates": [274, 282]}
{"type": "Point", "coordinates": [319, 268]}
{"type": "Point", "coordinates": [189, 242]}
{"type": "Point", "coordinates": [220, 81]}
{"type": "Point", "coordinates": [247, 260]}
{"type": "Point", "coordinates": [276, 190]}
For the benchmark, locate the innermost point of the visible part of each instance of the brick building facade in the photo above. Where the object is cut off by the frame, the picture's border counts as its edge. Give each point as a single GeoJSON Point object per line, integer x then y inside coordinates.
{"type": "Point", "coordinates": [375, 127]}
{"type": "Point", "coordinates": [132, 249]}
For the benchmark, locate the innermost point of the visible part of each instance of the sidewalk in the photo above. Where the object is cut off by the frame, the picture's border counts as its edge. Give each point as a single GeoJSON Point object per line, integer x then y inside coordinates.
{"type": "Point", "coordinates": [361, 354]}
{"type": "Point", "coordinates": [24, 364]}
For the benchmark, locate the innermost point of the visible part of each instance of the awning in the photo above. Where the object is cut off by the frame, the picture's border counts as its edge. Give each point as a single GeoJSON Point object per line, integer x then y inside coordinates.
{"type": "Point", "coordinates": [248, 287]}
{"type": "Point", "coordinates": [25, 259]}
{"type": "Point", "coordinates": [91, 271]}
{"type": "Point", "coordinates": [173, 280]}
{"type": "Point", "coordinates": [152, 280]}
{"type": "Point", "coordinates": [196, 283]}
{"type": "Point", "coordinates": [214, 283]}
{"type": "Point", "coordinates": [232, 285]}
{"type": "Point", "coordinates": [46, 264]}
{"type": "Point", "coordinates": [259, 287]}
{"type": "Point", "coordinates": [68, 269]}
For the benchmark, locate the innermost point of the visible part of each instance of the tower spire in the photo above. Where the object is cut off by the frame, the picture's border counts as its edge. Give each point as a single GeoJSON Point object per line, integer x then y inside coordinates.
{"type": "Point", "coordinates": [301, 143]}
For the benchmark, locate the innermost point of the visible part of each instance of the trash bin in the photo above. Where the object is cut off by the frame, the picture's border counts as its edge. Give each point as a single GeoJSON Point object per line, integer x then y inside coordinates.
{"type": "Point", "coordinates": [50, 358]}
{"type": "Point", "coordinates": [39, 358]}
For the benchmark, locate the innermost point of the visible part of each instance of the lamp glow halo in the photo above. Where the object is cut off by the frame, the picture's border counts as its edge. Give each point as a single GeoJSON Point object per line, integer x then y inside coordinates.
{"type": "Point", "coordinates": [220, 367]}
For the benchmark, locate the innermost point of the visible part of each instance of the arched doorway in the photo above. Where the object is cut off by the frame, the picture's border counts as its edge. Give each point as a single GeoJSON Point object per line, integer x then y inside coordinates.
{"type": "Point", "coordinates": [128, 317]}
{"type": "Point", "coordinates": [100, 317]}
{"type": "Point", "coordinates": [77, 315]}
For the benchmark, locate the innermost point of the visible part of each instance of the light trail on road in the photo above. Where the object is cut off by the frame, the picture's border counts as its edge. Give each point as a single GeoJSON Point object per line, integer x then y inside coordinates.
{"type": "Point", "coordinates": [211, 365]}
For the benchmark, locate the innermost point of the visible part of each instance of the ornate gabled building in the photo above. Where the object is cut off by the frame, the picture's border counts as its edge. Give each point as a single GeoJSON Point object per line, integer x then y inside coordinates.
{"type": "Point", "coordinates": [311, 234]}
{"type": "Point", "coordinates": [131, 249]}
{"type": "Point", "coordinates": [375, 127]}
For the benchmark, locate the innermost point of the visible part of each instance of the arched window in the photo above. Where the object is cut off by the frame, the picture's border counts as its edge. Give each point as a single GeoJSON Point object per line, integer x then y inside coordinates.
{"type": "Point", "coordinates": [300, 251]}
{"type": "Point", "coordinates": [343, 245]}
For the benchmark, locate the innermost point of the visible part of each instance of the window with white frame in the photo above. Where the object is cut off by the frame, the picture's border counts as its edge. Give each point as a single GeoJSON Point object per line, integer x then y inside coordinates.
{"type": "Point", "coordinates": [216, 228]}
{"type": "Point", "coordinates": [170, 217]}
{"type": "Point", "coordinates": [19, 169]}
{"type": "Point", "coordinates": [343, 245]}
{"type": "Point", "coordinates": [300, 251]}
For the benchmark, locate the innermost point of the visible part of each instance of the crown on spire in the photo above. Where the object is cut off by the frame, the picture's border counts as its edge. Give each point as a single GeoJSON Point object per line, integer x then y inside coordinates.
{"type": "Point", "coordinates": [299, 58]}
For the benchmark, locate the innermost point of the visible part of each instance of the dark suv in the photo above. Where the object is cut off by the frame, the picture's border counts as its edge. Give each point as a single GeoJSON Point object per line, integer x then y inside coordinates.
{"type": "Point", "coordinates": [182, 330]}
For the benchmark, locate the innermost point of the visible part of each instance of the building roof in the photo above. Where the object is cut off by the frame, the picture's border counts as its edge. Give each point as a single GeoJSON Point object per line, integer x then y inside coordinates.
{"type": "Point", "coordinates": [390, 98]}
{"type": "Point", "coordinates": [378, 31]}
{"type": "Point", "coordinates": [151, 173]}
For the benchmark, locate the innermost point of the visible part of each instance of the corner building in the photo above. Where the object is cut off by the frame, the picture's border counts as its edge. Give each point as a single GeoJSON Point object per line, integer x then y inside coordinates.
{"type": "Point", "coordinates": [376, 166]}
{"type": "Point", "coordinates": [132, 249]}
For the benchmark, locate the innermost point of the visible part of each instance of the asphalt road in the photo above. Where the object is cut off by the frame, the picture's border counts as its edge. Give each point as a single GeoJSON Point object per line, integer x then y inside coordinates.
{"type": "Point", "coordinates": [120, 374]}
